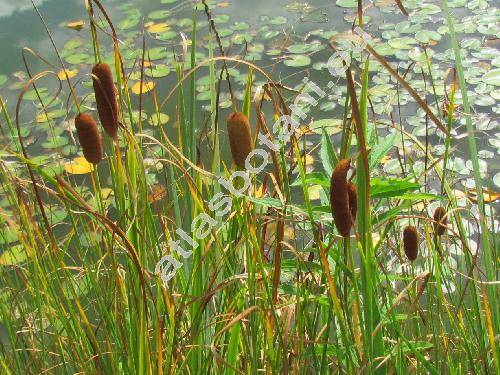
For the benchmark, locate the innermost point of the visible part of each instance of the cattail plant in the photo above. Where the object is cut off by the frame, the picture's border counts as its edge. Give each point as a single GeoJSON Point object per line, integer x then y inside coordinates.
{"type": "Point", "coordinates": [340, 198]}
{"type": "Point", "coordinates": [353, 200]}
{"type": "Point", "coordinates": [440, 221]}
{"type": "Point", "coordinates": [105, 96]}
{"type": "Point", "coordinates": [240, 137]}
{"type": "Point", "coordinates": [410, 242]}
{"type": "Point", "coordinates": [89, 138]}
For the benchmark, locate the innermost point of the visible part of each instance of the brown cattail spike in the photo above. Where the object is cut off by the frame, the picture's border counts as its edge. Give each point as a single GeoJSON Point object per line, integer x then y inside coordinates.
{"type": "Point", "coordinates": [339, 198]}
{"type": "Point", "coordinates": [410, 242]}
{"type": "Point", "coordinates": [353, 200]}
{"type": "Point", "coordinates": [440, 221]}
{"type": "Point", "coordinates": [240, 137]}
{"type": "Point", "coordinates": [89, 138]}
{"type": "Point", "coordinates": [105, 96]}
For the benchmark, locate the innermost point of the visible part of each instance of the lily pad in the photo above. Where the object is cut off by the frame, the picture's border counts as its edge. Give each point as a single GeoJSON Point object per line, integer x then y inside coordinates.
{"type": "Point", "coordinates": [426, 36]}
{"type": "Point", "coordinates": [347, 3]}
{"type": "Point", "coordinates": [167, 35]}
{"type": "Point", "coordinates": [129, 23]}
{"type": "Point", "coordinates": [492, 77]}
{"type": "Point", "coordinates": [221, 18]}
{"type": "Point", "coordinates": [240, 26]}
{"type": "Point", "coordinates": [153, 120]}
{"type": "Point", "coordinates": [159, 14]}
{"type": "Point", "coordinates": [79, 165]}
{"type": "Point", "coordinates": [55, 142]}
{"type": "Point", "coordinates": [331, 126]}
{"type": "Point", "coordinates": [78, 58]}
{"type": "Point", "coordinates": [158, 28]}
{"type": "Point", "coordinates": [157, 53]}
{"type": "Point", "coordinates": [298, 61]}
{"type": "Point", "coordinates": [45, 117]}
{"type": "Point", "coordinates": [146, 86]}
{"type": "Point", "coordinates": [402, 43]}
{"type": "Point", "coordinates": [242, 38]}
{"type": "Point", "coordinates": [279, 20]}
{"type": "Point", "coordinates": [158, 71]}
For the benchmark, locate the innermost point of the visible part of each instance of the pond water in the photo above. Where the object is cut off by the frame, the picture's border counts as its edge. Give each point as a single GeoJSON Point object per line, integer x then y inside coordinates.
{"type": "Point", "coordinates": [286, 38]}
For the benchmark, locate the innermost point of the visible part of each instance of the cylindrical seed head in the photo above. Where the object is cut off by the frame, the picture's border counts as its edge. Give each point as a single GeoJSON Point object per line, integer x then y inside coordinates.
{"type": "Point", "coordinates": [105, 96]}
{"type": "Point", "coordinates": [339, 198]}
{"type": "Point", "coordinates": [240, 137]}
{"type": "Point", "coordinates": [441, 220]}
{"type": "Point", "coordinates": [89, 138]}
{"type": "Point", "coordinates": [410, 242]}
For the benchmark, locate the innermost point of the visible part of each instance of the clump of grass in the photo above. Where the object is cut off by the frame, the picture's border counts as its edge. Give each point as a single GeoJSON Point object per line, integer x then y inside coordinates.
{"type": "Point", "coordinates": [410, 242]}
{"type": "Point", "coordinates": [240, 137]}
{"type": "Point", "coordinates": [89, 138]}
{"type": "Point", "coordinates": [441, 220]}
{"type": "Point", "coordinates": [105, 95]}
{"type": "Point", "coordinates": [340, 198]}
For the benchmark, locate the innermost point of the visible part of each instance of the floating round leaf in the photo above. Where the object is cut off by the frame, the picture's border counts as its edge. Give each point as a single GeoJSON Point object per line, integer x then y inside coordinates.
{"type": "Point", "coordinates": [146, 86]}
{"type": "Point", "coordinates": [492, 77]}
{"type": "Point", "coordinates": [279, 20]}
{"type": "Point", "coordinates": [167, 35]}
{"type": "Point", "coordinates": [298, 61]}
{"type": "Point", "coordinates": [157, 53]}
{"type": "Point", "coordinates": [78, 58]}
{"type": "Point", "coordinates": [156, 28]}
{"type": "Point", "coordinates": [158, 71]}
{"type": "Point", "coordinates": [240, 26]}
{"type": "Point", "coordinates": [129, 23]}
{"type": "Point", "coordinates": [69, 72]}
{"type": "Point", "coordinates": [162, 120]}
{"type": "Point", "coordinates": [159, 14]}
{"type": "Point", "coordinates": [79, 165]}
{"type": "Point", "coordinates": [347, 3]}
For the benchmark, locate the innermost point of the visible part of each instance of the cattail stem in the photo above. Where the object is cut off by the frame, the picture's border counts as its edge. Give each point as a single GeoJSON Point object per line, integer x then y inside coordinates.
{"type": "Point", "coordinates": [221, 51]}
{"type": "Point", "coordinates": [93, 31]}
{"type": "Point", "coordinates": [71, 88]}
{"type": "Point", "coordinates": [97, 189]}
